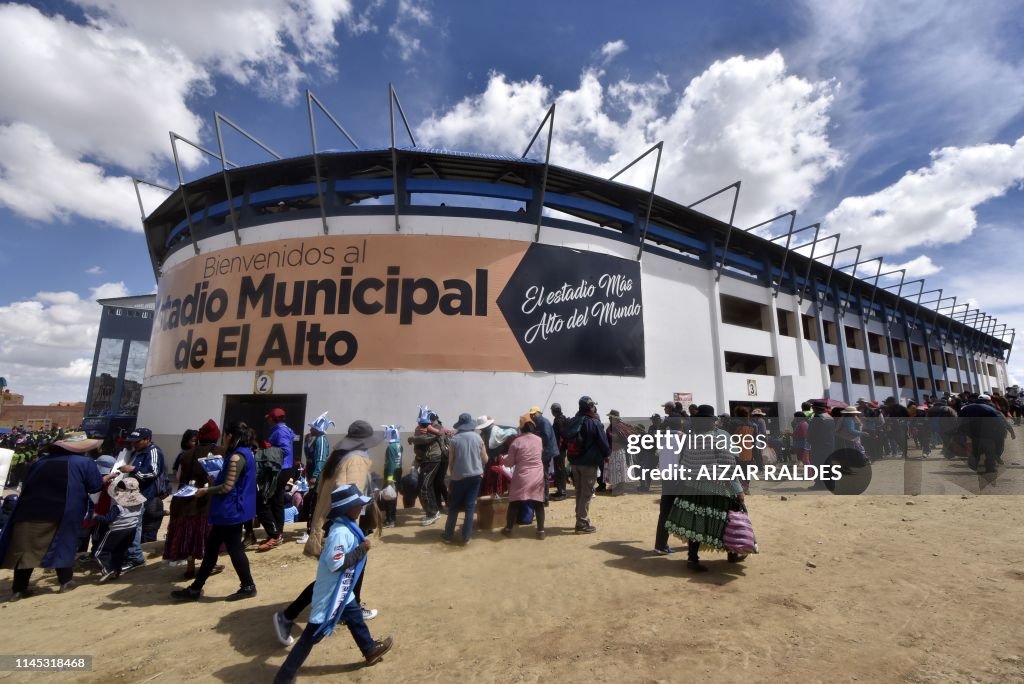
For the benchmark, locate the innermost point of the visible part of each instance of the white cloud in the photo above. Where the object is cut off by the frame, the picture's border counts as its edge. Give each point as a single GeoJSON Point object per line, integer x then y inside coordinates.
{"type": "Point", "coordinates": [265, 44]}
{"type": "Point", "coordinates": [742, 119]}
{"type": "Point", "coordinates": [933, 205]}
{"type": "Point", "coordinates": [95, 270]}
{"type": "Point", "coordinates": [914, 57]}
{"type": "Point", "coordinates": [96, 91]}
{"type": "Point", "coordinates": [40, 181]}
{"type": "Point", "coordinates": [613, 49]}
{"type": "Point", "coordinates": [918, 267]}
{"type": "Point", "coordinates": [48, 343]}
{"type": "Point", "coordinates": [410, 16]}
{"type": "Point", "coordinates": [104, 93]}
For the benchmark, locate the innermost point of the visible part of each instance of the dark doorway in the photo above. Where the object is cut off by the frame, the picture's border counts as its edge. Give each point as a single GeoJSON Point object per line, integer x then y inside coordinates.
{"type": "Point", "coordinates": [770, 408]}
{"type": "Point", "coordinates": [252, 409]}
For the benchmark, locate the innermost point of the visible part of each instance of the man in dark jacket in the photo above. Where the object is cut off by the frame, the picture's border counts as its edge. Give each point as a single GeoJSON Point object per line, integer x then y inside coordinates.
{"type": "Point", "coordinates": [558, 425]}
{"type": "Point", "coordinates": [986, 427]}
{"type": "Point", "coordinates": [588, 449]}
{"type": "Point", "coordinates": [271, 513]}
{"type": "Point", "coordinates": [146, 465]}
{"type": "Point", "coordinates": [549, 443]}
{"type": "Point", "coordinates": [821, 436]}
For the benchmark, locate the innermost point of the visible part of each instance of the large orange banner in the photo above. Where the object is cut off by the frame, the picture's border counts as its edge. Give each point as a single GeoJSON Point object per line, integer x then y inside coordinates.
{"type": "Point", "coordinates": [392, 302]}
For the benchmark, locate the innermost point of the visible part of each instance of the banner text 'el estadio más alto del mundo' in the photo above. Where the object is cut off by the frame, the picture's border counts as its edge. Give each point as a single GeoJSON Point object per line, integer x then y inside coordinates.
{"type": "Point", "coordinates": [400, 302]}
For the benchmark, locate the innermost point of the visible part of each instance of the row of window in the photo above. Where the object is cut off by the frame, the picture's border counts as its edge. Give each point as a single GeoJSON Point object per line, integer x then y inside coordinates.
{"type": "Point", "coordinates": [748, 314]}
{"type": "Point", "coordinates": [752, 364]}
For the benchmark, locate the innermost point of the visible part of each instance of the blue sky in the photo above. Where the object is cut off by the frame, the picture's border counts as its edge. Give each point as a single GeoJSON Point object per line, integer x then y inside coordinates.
{"type": "Point", "coordinates": [899, 126]}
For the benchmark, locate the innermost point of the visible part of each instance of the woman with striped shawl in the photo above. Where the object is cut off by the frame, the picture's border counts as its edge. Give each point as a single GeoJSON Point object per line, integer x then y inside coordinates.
{"type": "Point", "coordinates": [699, 514]}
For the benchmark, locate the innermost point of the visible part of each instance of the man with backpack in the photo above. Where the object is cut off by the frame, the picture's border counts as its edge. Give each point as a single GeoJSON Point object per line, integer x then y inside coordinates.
{"type": "Point", "coordinates": [586, 449]}
{"type": "Point", "coordinates": [272, 514]}
{"type": "Point", "coordinates": [146, 464]}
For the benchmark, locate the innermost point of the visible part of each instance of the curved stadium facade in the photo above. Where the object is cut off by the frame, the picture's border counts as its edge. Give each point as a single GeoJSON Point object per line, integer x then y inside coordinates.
{"type": "Point", "coordinates": [367, 283]}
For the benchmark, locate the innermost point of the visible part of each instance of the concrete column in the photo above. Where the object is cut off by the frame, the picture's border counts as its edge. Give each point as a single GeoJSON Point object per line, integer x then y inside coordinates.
{"type": "Point", "coordinates": [869, 369]}
{"type": "Point", "coordinates": [721, 400]}
{"type": "Point", "coordinates": [891, 353]}
{"type": "Point", "coordinates": [844, 364]}
{"type": "Point", "coordinates": [826, 380]}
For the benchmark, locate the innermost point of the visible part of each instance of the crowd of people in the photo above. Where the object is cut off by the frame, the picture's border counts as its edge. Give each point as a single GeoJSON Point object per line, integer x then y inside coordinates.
{"type": "Point", "coordinates": [79, 502]}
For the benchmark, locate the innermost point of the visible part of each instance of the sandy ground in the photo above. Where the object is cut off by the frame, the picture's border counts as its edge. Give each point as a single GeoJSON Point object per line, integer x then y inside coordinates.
{"type": "Point", "coordinates": [890, 588]}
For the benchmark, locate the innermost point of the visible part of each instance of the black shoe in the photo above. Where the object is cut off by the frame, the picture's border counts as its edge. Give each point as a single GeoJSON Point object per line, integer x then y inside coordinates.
{"type": "Point", "coordinates": [376, 654]}
{"type": "Point", "coordinates": [586, 529]}
{"type": "Point", "coordinates": [242, 593]}
{"type": "Point", "coordinates": [187, 594]}
{"type": "Point", "coordinates": [735, 557]}
{"type": "Point", "coordinates": [560, 496]}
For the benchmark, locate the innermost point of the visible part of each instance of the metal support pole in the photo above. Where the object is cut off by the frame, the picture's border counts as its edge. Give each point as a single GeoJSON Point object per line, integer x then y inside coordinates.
{"type": "Point", "coordinates": [853, 279]}
{"type": "Point", "coordinates": [392, 101]}
{"type": "Point", "coordinates": [832, 269]}
{"type": "Point", "coordinates": [311, 99]}
{"type": "Point", "coordinates": [918, 307]}
{"type": "Point", "coordinates": [217, 118]}
{"type": "Point", "coordinates": [903, 275]}
{"type": "Point", "coordinates": [142, 212]}
{"type": "Point", "coordinates": [650, 199]}
{"type": "Point", "coordinates": [899, 292]}
{"type": "Point", "coordinates": [792, 221]}
{"type": "Point", "coordinates": [136, 182]}
{"type": "Point", "coordinates": [785, 256]}
{"type": "Point", "coordinates": [1013, 336]}
{"type": "Point", "coordinates": [810, 263]}
{"type": "Point", "coordinates": [549, 118]}
{"type": "Point", "coordinates": [728, 233]}
{"type": "Point", "coordinates": [181, 180]}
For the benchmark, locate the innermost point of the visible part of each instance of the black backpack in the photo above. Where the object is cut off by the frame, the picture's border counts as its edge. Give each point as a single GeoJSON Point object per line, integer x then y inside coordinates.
{"type": "Point", "coordinates": [268, 469]}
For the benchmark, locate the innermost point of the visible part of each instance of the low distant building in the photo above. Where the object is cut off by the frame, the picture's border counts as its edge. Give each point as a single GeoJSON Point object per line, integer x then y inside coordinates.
{"type": "Point", "coordinates": [15, 413]}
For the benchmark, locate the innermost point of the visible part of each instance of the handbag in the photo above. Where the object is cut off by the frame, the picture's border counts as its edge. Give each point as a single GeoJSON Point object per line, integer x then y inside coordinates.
{"type": "Point", "coordinates": [768, 456]}
{"type": "Point", "coordinates": [389, 493]}
{"type": "Point", "coordinates": [739, 533]}
{"type": "Point", "coordinates": [371, 520]}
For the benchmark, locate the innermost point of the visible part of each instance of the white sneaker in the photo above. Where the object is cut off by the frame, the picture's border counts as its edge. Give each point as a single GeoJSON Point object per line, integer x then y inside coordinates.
{"type": "Point", "coordinates": [303, 539]}
{"type": "Point", "coordinates": [431, 519]}
{"type": "Point", "coordinates": [369, 613]}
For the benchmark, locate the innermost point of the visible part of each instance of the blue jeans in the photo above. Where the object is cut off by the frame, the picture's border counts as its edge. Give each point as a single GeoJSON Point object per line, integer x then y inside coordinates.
{"type": "Point", "coordinates": [352, 616]}
{"type": "Point", "coordinates": [135, 555]}
{"type": "Point", "coordinates": [462, 493]}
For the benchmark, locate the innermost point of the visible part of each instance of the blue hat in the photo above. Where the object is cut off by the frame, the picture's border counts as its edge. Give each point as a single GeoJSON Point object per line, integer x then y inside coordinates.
{"type": "Point", "coordinates": [105, 464]}
{"type": "Point", "coordinates": [424, 416]}
{"type": "Point", "coordinates": [140, 434]}
{"type": "Point", "coordinates": [322, 424]}
{"type": "Point", "coordinates": [344, 498]}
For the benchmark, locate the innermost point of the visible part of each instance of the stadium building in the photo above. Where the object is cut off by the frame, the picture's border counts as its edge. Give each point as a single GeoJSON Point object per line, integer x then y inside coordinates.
{"type": "Point", "coordinates": [369, 282]}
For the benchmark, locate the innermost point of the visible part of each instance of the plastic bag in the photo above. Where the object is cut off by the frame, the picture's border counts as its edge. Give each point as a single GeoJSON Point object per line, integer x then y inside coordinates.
{"type": "Point", "coordinates": [389, 493]}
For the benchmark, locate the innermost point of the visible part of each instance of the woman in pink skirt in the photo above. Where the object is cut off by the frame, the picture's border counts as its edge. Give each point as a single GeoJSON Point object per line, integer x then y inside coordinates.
{"type": "Point", "coordinates": [528, 476]}
{"type": "Point", "coordinates": [187, 528]}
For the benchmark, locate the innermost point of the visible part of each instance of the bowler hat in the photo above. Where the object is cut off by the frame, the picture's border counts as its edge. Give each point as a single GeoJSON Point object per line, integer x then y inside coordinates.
{"type": "Point", "coordinates": [360, 437]}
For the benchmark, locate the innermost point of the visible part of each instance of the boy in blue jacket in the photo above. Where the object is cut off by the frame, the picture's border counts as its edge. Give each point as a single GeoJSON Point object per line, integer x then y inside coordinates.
{"type": "Point", "coordinates": [341, 563]}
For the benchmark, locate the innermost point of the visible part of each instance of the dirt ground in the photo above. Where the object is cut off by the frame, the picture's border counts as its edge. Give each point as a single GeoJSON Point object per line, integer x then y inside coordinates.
{"type": "Point", "coordinates": [877, 588]}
